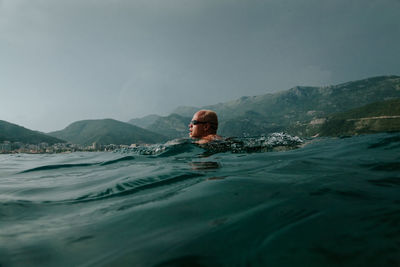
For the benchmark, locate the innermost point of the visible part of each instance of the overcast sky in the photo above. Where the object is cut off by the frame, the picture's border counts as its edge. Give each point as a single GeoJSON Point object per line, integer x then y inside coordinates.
{"type": "Point", "coordinates": [68, 60]}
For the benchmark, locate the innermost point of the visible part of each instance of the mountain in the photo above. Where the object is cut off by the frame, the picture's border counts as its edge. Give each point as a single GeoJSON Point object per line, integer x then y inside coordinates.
{"type": "Point", "coordinates": [251, 123]}
{"type": "Point", "coordinates": [383, 116]}
{"type": "Point", "coordinates": [185, 111]}
{"type": "Point", "coordinates": [107, 131]}
{"type": "Point", "coordinates": [294, 109]}
{"type": "Point", "coordinates": [145, 121]}
{"type": "Point", "coordinates": [172, 126]}
{"type": "Point", "coordinates": [15, 133]}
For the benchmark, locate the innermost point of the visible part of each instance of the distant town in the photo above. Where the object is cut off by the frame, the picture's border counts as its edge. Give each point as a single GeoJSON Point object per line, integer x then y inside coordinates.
{"type": "Point", "coordinates": [8, 147]}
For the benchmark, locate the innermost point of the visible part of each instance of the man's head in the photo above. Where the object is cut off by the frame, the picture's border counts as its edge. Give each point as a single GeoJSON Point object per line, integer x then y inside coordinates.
{"type": "Point", "coordinates": [204, 123]}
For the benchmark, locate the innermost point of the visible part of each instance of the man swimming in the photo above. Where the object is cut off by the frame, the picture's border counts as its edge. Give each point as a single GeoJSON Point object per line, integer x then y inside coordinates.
{"type": "Point", "coordinates": [204, 126]}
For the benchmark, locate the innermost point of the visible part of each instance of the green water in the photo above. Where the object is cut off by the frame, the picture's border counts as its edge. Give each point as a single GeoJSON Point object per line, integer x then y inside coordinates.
{"type": "Point", "coordinates": [331, 202]}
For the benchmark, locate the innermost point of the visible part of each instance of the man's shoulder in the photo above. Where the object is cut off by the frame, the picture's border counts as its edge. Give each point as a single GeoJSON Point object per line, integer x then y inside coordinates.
{"type": "Point", "coordinates": [209, 138]}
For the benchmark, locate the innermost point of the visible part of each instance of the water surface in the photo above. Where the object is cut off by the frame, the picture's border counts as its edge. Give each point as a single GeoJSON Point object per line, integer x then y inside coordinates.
{"type": "Point", "coordinates": [331, 202]}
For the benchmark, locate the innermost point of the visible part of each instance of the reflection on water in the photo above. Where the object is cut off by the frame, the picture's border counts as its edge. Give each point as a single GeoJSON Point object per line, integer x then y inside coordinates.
{"type": "Point", "coordinates": [204, 165]}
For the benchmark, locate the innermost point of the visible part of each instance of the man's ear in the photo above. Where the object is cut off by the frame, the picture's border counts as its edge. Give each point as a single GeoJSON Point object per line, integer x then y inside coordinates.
{"type": "Point", "coordinates": [207, 127]}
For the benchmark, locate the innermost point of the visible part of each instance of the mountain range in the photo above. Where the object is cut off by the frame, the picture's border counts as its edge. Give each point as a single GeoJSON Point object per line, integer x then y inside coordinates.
{"type": "Point", "coordinates": [299, 111]}
{"type": "Point", "coordinates": [106, 131]}
{"type": "Point", "coordinates": [15, 133]}
{"type": "Point", "coordinates": [365, 106]}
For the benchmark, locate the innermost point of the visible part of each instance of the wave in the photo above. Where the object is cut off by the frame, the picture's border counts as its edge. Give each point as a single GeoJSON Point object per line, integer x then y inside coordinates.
{"type": "Point", "coordinates": [128, 188]}
{"type": "Point", "coordinates": [171, 148]}
{"type": "Point", "coordinates": [271, 142]}
{"type": "Point", "coordinates": [387, 142]}
{"type": "Point", "coordinates": [386, 182]}
{"type": "Point", "coordinates": [74, 165]}
{"type": "Point", "coordinates": [127, 158]}
{"type": "Point", "coordinates": [58, 166]}
{"type": "Point", "coordinates": [384, 166]}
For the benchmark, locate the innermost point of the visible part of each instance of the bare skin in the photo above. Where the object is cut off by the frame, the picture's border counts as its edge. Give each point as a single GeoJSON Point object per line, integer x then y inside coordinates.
{"type": "Point", "coordinates": [204, 127]}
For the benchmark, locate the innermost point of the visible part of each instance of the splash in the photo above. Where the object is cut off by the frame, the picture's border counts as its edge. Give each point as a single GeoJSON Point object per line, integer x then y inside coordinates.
{"type": "Point", "coordinates": [267, 143]}
{"type": "Point", "coordinates": [272, 142]}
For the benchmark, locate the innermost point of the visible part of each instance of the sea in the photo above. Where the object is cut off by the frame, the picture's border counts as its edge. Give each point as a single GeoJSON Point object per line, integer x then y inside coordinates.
{"type": "Point", "coordinates": [273, 200]}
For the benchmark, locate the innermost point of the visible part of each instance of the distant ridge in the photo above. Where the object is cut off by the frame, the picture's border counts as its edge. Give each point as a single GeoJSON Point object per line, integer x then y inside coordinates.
{"type": "Point", "coordinates": [15, 133]}
{"type": "Point", "coordinates": [144, 122]}
{"type": "Point", "coordinates": [107, 131]}
{"type": "Point", "coordinates": [364, 106]}
{"type": "Point", "coordinates": [291, 110]}
{"type": "Point", "coordinates": [324, 100]}
{"type": "Point", "coordinates": [172, 126]}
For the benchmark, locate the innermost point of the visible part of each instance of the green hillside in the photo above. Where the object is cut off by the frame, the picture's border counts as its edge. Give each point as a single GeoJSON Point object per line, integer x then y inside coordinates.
{"type": "Point", "coordinates": [377, 117]}
{"type": "Point", "coordinates": [15, 133]}
{"type": "Point", "coordinates": [107, 131]}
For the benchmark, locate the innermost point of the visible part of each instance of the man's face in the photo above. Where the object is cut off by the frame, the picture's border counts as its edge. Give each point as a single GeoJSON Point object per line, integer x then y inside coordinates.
{"type": "Point", "coordinates": [198, 130]}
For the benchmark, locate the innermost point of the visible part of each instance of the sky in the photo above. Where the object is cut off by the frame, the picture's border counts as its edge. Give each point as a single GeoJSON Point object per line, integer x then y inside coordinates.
{"type": "Point", "coordinates": [67, 60]}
